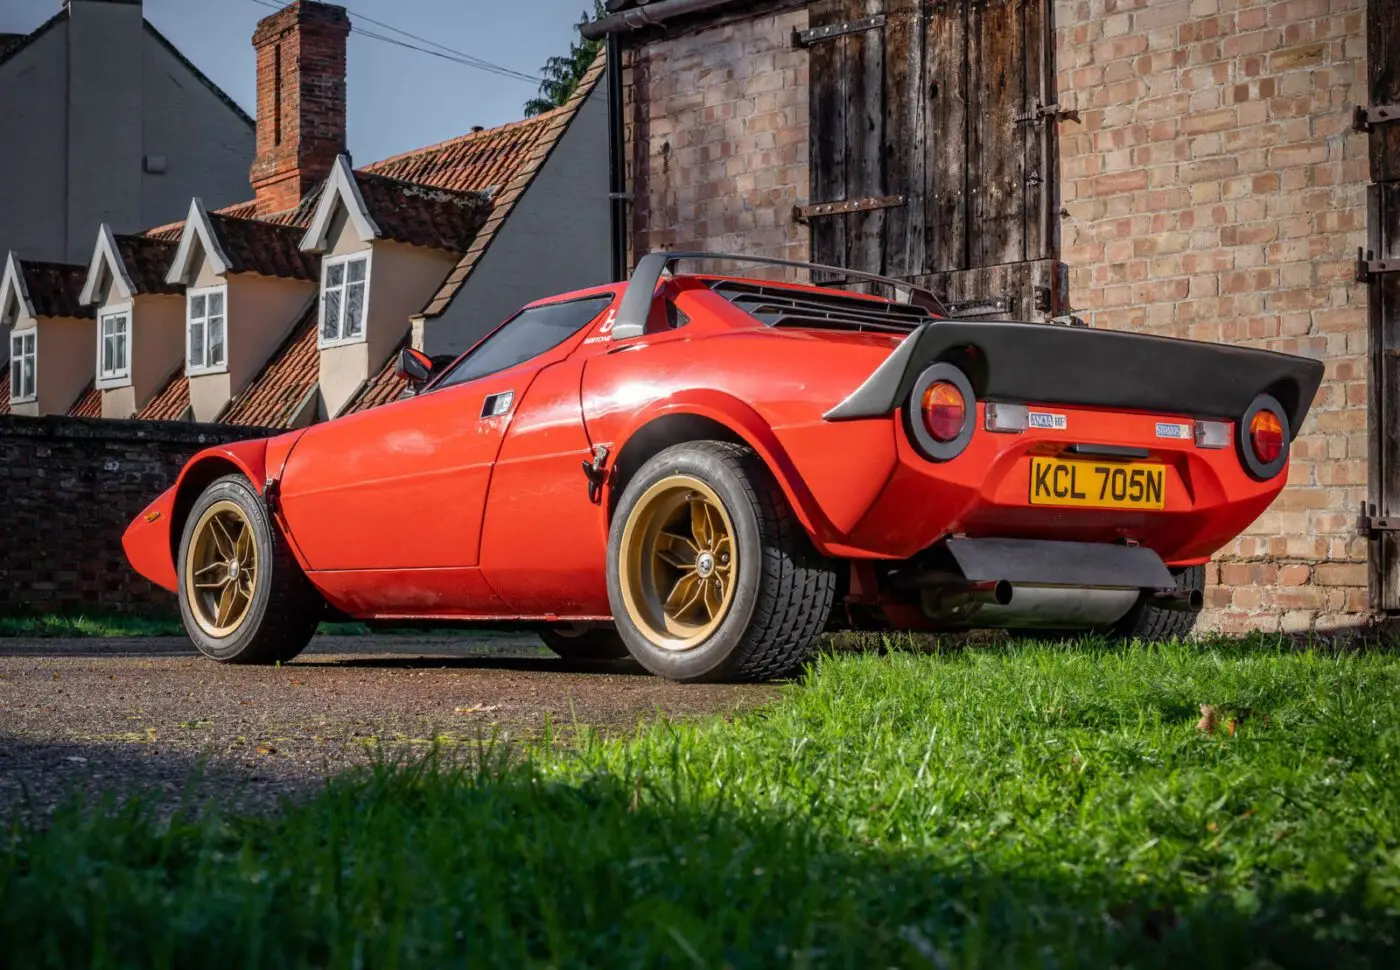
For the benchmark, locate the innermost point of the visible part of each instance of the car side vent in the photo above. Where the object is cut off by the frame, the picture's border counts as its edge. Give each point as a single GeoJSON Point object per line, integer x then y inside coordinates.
{"type": "Point", "coordinates": [780, 306]}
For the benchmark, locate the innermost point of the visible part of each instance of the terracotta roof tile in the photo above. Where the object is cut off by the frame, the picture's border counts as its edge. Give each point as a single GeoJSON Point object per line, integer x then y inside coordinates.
{"type": "Point", "coordinates": [88, 404]}
{"type": "Point", "coordinates": [172, 403]}
{"type": "Point", "coordinates": [275, 397]}
{"type": "Point", "coordinates": [556, 123]}
{"type": "Point", "coordinates": [147, 261]}
{"type": "Point", "coordinates": [54, 288]}
{"type": "Point", "coordinates": [383, 388]}
{"type": "Point", "coordinates": [265, 248]}
{"type": "Point", "coordinates": [5, 390]}
{"type": "Point", "coordinates": [478, 162]}
{"type": "Point", "coordinates": [423, 215]}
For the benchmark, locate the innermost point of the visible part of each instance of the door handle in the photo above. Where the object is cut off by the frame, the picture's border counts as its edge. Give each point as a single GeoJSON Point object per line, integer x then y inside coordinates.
{"type": "Point", "coordinates": [497, 404]}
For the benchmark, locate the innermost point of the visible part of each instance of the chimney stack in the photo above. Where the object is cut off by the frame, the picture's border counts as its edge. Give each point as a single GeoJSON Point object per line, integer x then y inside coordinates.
{"type": "Point", "coordinates": [301, 101]}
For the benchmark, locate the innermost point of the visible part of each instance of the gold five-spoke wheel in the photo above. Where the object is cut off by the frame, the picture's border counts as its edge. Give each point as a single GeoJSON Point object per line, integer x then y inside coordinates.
{"type": "Point", "coordinates": [221, 569]}
{"type": "Point", "coordinates": [679, 563]}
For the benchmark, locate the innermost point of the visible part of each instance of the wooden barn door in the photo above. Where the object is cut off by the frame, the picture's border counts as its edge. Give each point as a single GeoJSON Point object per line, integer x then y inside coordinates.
{"type": "Point", "coordinates": [1379, 267]}
{"type": "Point", "coordinates": [933, 148]}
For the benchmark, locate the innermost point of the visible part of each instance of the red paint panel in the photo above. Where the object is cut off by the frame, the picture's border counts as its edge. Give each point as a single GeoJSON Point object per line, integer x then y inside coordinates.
{"type": "Point", "coordinates": [441, 593]}
{"type": "Point", "coordinates": [147, 542]}
{"type": "Point", "coordinates": [543, 546]}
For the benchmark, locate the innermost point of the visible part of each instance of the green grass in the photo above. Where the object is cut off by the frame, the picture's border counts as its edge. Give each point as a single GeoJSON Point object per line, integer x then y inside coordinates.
{"type": "Point", "coordinates": [1021, 805]}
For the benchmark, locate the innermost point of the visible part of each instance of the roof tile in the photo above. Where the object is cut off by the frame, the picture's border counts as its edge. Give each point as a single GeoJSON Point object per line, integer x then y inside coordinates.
{"type": "Point", "coordinates": [275, 397]}
{"type": "Point", "coordinates": [265, 248]}
{"type": "Point", "coordinates": [54, 288]}
{"type": "Point", "coordinates": [4, 390]}
{"type": "Point", "coordinates": [384, 387]}
{"type": "Point", "coordinates": [172, 403]}
{"type": "Point", "coordinates": [482, 161]}
{"type": "Point", "coordinates": [147, 261]}
{"type": "Point", "coordinates": [423, 215]}
{"type": "Point", "coordinates": [88, 404]}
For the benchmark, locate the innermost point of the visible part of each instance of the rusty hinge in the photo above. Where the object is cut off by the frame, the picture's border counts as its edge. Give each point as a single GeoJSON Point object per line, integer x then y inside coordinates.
{"type": "Point", "coordinates": [1368, 267]}
{"type": "Point", "coordinates": [802, 213]}
{"type": "Point", "coordinates": [1366, 119]}
{"type": "Point", "coordinates": [1370, 523]}
{"type": "Point", "coordinates": [1040, 111]}
{"type": "Point", "coordinates": [815, 35]}
{"type": "Point", "coordinates": [977, 307]}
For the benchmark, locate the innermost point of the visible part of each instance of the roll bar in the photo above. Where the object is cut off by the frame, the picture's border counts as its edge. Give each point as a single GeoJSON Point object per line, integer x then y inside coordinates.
{"type": "Point", "coordinates": [635, 310]}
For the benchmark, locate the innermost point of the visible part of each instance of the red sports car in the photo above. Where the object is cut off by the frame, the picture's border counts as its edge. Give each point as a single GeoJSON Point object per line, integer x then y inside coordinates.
{"type": "Point", "coordinates": [707, 472]}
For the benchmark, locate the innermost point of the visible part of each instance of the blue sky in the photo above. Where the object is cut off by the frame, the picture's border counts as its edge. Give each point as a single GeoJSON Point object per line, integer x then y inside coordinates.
{"type": "Point", "coordinates": [399, 99]}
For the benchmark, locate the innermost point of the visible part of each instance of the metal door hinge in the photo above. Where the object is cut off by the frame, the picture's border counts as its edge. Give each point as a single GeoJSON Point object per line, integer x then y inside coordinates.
{"type": "Point", "coordinates": [802, 213]}
{"type": "Point", "coordinates": [596, 471]}
{"type": "Point", "coordinates": [1040, 112]}
{"type": "Point", "coordinates": [815, 35]}
{"type": "Point", "coordinates": [272, 496]}
{"type": "Point", "coordinates": [1366, 119]}
{"type": "Point", "coordinates": [1368, 267]}
{"type": "Point", "coordinates": [1371, 524]}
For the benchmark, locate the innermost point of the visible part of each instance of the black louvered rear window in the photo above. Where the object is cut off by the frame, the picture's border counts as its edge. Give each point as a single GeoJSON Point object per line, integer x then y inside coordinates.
{"type": "Point", "coordinates": [780, 306]}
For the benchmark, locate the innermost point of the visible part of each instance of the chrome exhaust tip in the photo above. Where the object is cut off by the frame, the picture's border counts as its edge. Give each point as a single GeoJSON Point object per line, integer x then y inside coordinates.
{"type": "Point", "coordinates": [1178, 600]}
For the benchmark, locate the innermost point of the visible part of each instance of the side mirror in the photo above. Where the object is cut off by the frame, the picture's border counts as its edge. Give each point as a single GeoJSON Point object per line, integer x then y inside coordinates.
{"type": "Point", "coordinates": [414, 366]}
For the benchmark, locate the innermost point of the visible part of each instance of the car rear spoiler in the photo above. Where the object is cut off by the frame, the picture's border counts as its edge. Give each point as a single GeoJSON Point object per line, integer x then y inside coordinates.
{"type": "Point", "coordinates": [1046, 364]}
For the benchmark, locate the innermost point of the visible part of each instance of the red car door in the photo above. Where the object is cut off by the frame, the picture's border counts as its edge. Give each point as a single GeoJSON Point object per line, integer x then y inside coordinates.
{"type": "Point", "coordinates": [403, 487]}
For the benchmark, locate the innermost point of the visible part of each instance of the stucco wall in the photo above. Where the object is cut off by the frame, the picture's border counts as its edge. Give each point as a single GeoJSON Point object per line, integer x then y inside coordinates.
{"type": "Point", "coordinates": [33, 167]}
{"type": "Point", "coordinates": [157, 349]}
{"type": "Point", "coordinates": [66, 350]}
{"type": "Point", "coordinates": [556, 238]}
{"type": "Point", "coordinates": [88, 101]}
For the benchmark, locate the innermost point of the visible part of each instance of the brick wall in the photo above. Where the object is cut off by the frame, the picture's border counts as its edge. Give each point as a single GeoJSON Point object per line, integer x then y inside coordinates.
{"type": "Point", "coordinates": [717, 125]}
{"type": "Point", "coordinates": [70, 488]}
{"type": "Point", "coordinates": [1214, 190]}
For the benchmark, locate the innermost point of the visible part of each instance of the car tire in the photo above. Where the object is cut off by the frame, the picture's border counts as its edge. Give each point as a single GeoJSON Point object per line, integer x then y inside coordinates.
{"type": "Point", "coordinates": [769, 594]}
{"type": "Point", "coordinates": [1146, 622]}
{"type": "Point", "coordinates": [584, 642]}
{"type": "Point", "coordinates": [274, 610]}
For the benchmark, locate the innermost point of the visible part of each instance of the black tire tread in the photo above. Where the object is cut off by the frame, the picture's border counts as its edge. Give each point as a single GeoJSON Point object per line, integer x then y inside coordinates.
{"type": "Point", "coordinates": [294, 607]}
{"type": "Point", "coordinates": [1146, 622]}
{"type": "Point", "coordinates": [798, 586]}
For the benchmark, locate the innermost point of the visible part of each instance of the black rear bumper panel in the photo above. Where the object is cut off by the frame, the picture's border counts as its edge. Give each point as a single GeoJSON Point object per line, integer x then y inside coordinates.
{"type": "Point", "coordinates": [1049, 364]}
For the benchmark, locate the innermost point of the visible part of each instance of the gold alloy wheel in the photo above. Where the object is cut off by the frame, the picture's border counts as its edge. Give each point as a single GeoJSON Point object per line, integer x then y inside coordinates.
{"type": "Point", "coordinates": [221, 569]}
{"type": "Point", "coordinates": [678, 563]}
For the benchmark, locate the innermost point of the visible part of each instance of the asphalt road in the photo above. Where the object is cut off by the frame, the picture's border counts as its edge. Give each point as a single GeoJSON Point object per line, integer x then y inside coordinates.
{"type": "Point", "coordinates": [152, 717]}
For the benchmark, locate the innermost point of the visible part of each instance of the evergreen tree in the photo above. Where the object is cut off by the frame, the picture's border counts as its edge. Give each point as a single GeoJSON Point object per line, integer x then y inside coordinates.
{"type": "Point", "coordinates": [563, 74]}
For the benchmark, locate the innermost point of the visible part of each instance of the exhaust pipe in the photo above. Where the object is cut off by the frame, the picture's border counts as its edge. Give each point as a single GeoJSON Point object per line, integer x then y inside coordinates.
{"type": "Point", "coordinates": [1022, 606]}
{"type": "Point", "coordinates": [1177, 600]}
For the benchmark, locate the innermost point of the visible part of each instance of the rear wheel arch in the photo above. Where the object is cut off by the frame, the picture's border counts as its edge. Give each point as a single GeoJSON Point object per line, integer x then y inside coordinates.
{"type": "Point", "coordinates": [680, 426]}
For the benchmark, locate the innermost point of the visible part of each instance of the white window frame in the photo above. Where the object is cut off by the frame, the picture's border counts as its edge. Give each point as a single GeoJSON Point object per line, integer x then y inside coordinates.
{"type": "Point", "coordinates": [341, 339]}
{"type": "Point", "coordinates": [121, 376]}
{"type": "Point", "coordinates": [17, 353]}
{"type": "Point", "coordinates": [192, 366]}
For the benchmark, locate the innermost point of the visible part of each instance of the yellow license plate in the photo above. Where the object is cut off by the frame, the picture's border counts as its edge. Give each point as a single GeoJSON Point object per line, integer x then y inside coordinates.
{"type": "Point", "coordinates": [1100, 485]}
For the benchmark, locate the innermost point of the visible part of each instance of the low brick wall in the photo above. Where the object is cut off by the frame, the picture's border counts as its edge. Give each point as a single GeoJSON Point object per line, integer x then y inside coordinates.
{"type": "Point", "coordinates": [70, 487]}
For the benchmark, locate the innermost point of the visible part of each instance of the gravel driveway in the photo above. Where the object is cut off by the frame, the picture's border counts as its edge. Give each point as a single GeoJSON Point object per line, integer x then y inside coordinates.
{"type": "Point", "coordinates": [149, 715]}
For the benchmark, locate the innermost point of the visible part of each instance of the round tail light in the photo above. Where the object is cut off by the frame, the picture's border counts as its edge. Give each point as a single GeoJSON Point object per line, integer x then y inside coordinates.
{"type": "Point", "coordinates": [941, 410]}
{"type": "Point", "coordinates": [944, 410]}
{"type": "Point", "coordinates": [1266, 436]}
{"type": "Point", "coordinates": [1263, 436]}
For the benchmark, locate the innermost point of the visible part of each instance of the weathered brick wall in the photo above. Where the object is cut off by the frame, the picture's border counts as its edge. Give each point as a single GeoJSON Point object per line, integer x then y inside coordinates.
{"type": "Point", "coordinates": [71, 486]}
{"type": "Point", "coordinates": [1214, 190]}
{"type": "Point", "coordinates": [717, 125]}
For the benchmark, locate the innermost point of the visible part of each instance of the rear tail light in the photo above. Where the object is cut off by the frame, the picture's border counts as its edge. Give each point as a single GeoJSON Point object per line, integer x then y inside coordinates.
{"type": "Point", "coordinates": [1266, 436]}
{"type": "Point", "coordinates": [1263, 438]}
{"type": "Point", "coordinates": [940, 412]}
{"type": "Point", "coordinates": [944, 411]}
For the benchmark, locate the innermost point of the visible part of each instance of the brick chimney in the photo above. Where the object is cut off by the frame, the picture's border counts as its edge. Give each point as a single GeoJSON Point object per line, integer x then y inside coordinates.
{"type": "Point", "coordinates": [301, 101]}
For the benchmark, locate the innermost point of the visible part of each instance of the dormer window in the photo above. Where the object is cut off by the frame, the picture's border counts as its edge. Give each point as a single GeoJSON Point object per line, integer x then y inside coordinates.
{"type": "Point", "coordinates": [114, 344]}
{"type": "Point", "coordinates": [344, 297]}
{"type": "Point", "coordinates": [23, 367]}
{"type": "Point", "coordinates": [206, 328]}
